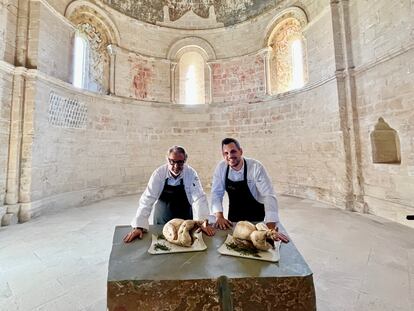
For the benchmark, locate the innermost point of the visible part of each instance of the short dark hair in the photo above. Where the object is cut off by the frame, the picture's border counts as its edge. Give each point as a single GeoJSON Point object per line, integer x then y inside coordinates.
{"type": "Point", "coordinates": [229, 140]}
{"type": "Point", "coordinates": [178, 149]}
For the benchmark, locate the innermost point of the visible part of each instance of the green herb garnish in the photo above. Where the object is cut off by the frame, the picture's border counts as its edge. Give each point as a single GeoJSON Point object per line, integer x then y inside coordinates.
{"type": "Point", "coordinates": [161, 237]}
{"type": "Point", "coordinates": [243, 251]}
{"type": "Point", "coordinates": [159, 246]}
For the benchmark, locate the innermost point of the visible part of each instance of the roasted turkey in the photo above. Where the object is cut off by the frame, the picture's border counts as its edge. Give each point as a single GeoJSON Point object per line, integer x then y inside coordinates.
{"type": "Point", "coordinates": [247, 235]}
{"type": "Point", "coordinates": [182, 232]}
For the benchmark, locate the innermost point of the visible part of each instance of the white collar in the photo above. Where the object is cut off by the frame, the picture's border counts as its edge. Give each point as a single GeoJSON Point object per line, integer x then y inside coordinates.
{"type": "Point", "coordinates": [241, 170]}
{"type": "Point", "coordinates": [170, 175]}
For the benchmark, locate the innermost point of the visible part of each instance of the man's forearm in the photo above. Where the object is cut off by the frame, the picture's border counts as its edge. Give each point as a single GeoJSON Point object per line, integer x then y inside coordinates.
{"type": "Point", "coordinates": [219, 215]}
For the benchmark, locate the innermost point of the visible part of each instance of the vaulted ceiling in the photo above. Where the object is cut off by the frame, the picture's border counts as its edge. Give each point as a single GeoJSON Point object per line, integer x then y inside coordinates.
{"type": "Point", "coordinates": [228, 12]}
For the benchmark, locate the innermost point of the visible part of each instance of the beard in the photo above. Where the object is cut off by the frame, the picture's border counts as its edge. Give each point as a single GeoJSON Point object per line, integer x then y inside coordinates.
{"type": "Point", "coordinates": [234, 162]}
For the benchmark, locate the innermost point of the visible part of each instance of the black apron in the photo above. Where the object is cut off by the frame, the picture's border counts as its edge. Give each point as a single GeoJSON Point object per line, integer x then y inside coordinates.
{"type": "Point", "coordinates": [172, 203]}
{"type": "Point", "coordinates": [242, 204]}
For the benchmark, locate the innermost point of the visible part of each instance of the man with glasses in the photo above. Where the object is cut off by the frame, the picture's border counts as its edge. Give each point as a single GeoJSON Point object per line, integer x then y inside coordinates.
{"type": "Point", "coordinates": [175, 191]}
{"type": "Point", "coordinates": [250, 191]}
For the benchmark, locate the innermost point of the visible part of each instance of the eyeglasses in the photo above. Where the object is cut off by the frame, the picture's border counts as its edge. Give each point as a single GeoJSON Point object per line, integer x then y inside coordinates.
{"type": "Point", "coordinates": [178, 162]}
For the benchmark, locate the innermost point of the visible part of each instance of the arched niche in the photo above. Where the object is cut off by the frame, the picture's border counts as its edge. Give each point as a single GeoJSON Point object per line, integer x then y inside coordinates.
{"type": "Point", "coordinates": [181, 51]}
{"type": "Point", "coordinates": [286, 62]}
{"type": "Point", "coordinates": [103, 37]}
{"type": "Point", "coordinates": [88, 8]}
{"type": "Point", "coordinates": [385, 144]}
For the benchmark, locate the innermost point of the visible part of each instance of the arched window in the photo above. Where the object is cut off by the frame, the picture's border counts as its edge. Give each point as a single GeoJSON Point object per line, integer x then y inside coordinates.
{"type": "Point", "coordinates": [81, 63]}
{"type": "Point", "coordinates": [298, 74]}
{"type": "Point", "coordinates": [190, 71]}
{"type": "Point", "coordinates": [93, 65]}
{"type": "Point", "coordinates": [287, 63]}
{"type": "Point", "coordinates": [191, 80]}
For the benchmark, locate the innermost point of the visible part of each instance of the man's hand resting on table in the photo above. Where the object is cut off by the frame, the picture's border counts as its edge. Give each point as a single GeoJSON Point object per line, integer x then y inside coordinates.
{"type": "Point", "coordinates": [280, 236]}
{"type": "Point", "coordinates": [221, 222]}
{"type": "Point", "coordinates": [133, 234]}
{"type": "Point", "coordinates": [209, 230]}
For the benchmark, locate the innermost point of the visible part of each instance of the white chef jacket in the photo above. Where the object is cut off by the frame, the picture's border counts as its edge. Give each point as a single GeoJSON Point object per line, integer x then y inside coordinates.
{"type": "Point", "coordinates": [193, 189]}
{"type": "Point", "coordinates": [258, 182]}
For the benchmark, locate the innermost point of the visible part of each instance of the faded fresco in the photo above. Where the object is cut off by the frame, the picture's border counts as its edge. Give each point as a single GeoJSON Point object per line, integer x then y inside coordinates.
{"type": "Point", "coordinates": [141, 79]}
{"type": "Point", "coordinates": [239, 80]}
{"type": "Point", "coordinates": [228, 12]}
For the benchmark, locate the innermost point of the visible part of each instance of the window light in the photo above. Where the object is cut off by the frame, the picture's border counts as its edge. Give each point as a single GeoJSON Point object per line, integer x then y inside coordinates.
{"type": "Point", "coordinates": [80, 62]}
{"type": "Point", "coordinates": [297, 64]}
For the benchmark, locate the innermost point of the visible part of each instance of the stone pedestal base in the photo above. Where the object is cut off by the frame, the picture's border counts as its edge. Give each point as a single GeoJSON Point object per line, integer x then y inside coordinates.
{"type": "Point", "coordinates": [205, 280]}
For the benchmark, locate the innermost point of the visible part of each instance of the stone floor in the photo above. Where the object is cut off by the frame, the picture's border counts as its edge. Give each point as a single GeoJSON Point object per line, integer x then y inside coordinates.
{"type": "Point", "coordinates": [59, 261]}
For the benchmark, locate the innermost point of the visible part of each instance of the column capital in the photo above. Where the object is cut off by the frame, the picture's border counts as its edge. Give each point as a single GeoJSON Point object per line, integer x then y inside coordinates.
{"type": "Point", "coordinates": [112, 49]}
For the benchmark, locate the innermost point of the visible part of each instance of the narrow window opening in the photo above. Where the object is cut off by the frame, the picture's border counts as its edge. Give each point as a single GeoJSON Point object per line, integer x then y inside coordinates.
{"type": "Point", "coordinates": [287, 61]}
{"type": "Point", "coordinates": [298, 79]}
{"type": "Point", "coordinates": [192, 84]}
{"type": "Point", "coordinates": [80, 61]}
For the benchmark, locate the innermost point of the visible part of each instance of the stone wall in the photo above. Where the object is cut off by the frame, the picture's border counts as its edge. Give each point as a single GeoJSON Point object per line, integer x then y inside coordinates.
{"type": "Point", "coordinates": [314, 142]}
{"type": "Point", "coordinates": [50, 48]}
{"type": "Point", "coordinates": [319, 46]}
{"type": "Point", "coordinates": [142, 78]}
{"type": "Point", "coordinates": [8, 21]}
{"type": "Point", "coordinates": [124, 141]}
{"type": "Point", "coordinates": [296, 137]}
{"type": "Point", "coordinates": [239, 79]}
{"type": "Point", "coordinates": [383, 49]}
{"type": "Point", "coordinates": [114, 153]}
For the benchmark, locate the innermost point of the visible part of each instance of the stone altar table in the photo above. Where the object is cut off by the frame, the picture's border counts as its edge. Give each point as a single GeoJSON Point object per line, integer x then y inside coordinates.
{"type": "Point", "coordinates": [138, 280]}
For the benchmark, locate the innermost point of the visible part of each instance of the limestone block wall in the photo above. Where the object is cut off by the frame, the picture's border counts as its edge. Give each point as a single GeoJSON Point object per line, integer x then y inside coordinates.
{"type": "Point", "coordinates": [113, 152]}
{"type": "Point", "coordinates": [320, 56]}
{"type": "Point", "coordinates": [296, 137]}
{"type": "Point", "coordinates": [3, 27]}
{"type": "Point", "coordinates": [50, 45]}
{"type": "Point", "coordinates": [389, 187]}
{"type": "Point", "coordinates": [109, 145]}
{"type": "Point", "coordinates": [143, 72]}
{"type": "Point", "coordinates": [239, 79]}
{"type": "Point", "coordinates": [8, 20]}
{"type": "Point", "coordinates": [383, 49]}
{"type": "Point", "coordinates": [59, 5]}
{"type": "Point", "coordinates": [380, 29]}
{"type": "Point", "coordinates": [142, 78]}
{"type": "Point", "coordinates": [123, 141]}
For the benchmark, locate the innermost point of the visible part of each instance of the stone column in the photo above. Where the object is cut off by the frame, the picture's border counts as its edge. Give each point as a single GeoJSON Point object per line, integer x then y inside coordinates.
{"type": "Point", "coordinates": [347, 102]}
{"type": "Point", "coordinates": [27, 139]}
{"type": "Point", "coordinates": [208, 82]}
{"type": "Point", "coordinates": [16, 128]}
{"type": "Point", "coordinates": [112, 50]}
{"type": "Point", "coordinates": [174, 82]}
{"type": "Point", "coordinates": [267, 54]}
